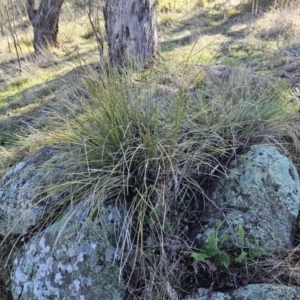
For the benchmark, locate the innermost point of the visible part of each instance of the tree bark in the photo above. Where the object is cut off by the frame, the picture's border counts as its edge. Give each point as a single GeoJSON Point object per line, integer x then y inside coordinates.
{"type": "Point", "coordinates": [45, 23]}
{"type": "Point", "coordinates": [131, 31]}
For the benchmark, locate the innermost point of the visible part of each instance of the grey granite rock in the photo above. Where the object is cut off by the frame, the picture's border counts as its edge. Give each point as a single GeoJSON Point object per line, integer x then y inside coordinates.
{"type": "Point", "coordinates": [261, 195]}
{"type": "Point", "coordinates": [24, 200]}
{"type": "Point", "coordinates": [70, 260]}
{"type": "Point", "coordinates": [252, 292]}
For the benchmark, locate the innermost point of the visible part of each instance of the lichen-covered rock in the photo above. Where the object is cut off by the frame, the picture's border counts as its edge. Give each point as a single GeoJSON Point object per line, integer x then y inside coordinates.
{"type": "Point", "coordinates": [70, 260]}
{"type": "Point", "coordinates": [259, 198]}
{"type": "Point", "coordinates": [203, 295]}
{"type": "Point", "coordinates": [252, 292]}
{"type": "Point", "coordinates": [24, 199]}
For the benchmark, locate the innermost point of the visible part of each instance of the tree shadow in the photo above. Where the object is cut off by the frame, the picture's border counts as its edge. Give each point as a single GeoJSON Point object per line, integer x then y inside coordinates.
{"type": "Point", "coordinates": [29, 108]}
{"type": "Point", "coordinates": [205, 24]}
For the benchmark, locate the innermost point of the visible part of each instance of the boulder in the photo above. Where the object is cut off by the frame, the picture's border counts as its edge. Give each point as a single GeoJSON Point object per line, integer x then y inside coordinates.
{"type": "Point", "coordinates": [258, 199]}
{"type": "Point", "coordinates": [70, 260]}
{"type": "Point", "coordinates": [292, 51]}
{"type": "Point", "coordinates": [252, 292]}
{"type": "Point", "coordinates": [24, 199]}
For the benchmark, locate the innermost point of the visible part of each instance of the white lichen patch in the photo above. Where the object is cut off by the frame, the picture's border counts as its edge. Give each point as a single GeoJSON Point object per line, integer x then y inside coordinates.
{"type": "Point", "coordinates": [41, 269]}
{"type": "Point", "coordinates": [58, 278]}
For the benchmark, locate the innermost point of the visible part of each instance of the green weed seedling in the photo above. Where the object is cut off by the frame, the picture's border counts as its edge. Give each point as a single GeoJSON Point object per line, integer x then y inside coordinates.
{"type": "Point", "coordinates": [212, 249]}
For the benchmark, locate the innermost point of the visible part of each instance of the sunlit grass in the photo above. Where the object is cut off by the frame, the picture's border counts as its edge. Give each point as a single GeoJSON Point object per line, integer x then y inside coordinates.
{"type": "Point", "coordinates": [143, 142]}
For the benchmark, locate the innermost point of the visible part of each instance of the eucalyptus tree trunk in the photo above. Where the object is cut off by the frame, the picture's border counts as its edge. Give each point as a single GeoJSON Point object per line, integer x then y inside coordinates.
{"type": "Point", "coordinates": [131, 31]}
{"type": "Point", "coordinates": [45, 23]}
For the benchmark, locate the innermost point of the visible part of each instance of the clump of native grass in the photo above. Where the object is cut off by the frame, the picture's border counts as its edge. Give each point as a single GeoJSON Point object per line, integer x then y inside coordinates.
{"type": "Point", "coordinates": [129, 145]}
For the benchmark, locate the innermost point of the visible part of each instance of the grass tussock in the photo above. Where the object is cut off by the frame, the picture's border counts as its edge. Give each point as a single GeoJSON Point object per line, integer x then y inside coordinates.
{"type": "Point", "coordinates": [134, 147]}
